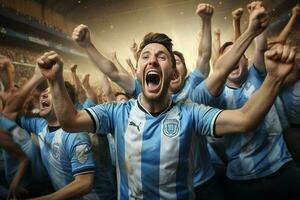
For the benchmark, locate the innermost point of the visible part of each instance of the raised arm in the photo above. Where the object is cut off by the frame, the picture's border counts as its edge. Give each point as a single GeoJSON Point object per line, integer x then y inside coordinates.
{"type": "Point", "coordinates": [288, 28]}
{"type": "Point", "coordinates": [78, 85]}
{"type": "Point", "coordinates": [80, 186]}
{"type": "Point", "coordinates": [15, 101]}
{"type": "Point", "coordinates": [81, 35]}
{"type": "Point", "coordinates": [106, 88]}
{"type": "Point", "coordinates": [90, 92]}
{"type": "Point", "coordinates": [216, 46]}
{"type": "Point", "coordinates": [7, 143]}
{"type": "Point", "coordinates": [279, 63]}
{"type": "Point", "coordinates": [260, 48]}
{"type": "Point", "coordinates": [258, 21]}
{"type": "Point", "coordinates": [116, 61]}
{"type": "Point", "coordinates": [134, 50]}
{"type": "Point", "coordinates": [131, 66]}
{"type": "Point", "coordinates": [51, 66]}
{"type": "Point", "coordinates": [9, 69]}
{"type": "Point", "coordinates": [205, 11]}
{"type": "Point", "coordinates": [237, 15]}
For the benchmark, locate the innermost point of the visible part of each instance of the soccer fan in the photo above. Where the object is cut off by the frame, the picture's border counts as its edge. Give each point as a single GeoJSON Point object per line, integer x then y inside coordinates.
{"type": "Point", "coordinates": [153, 134]}
{"type": "Point", "coordinates": [85, 96]}
{"type": "Point", "coordinates": [68, 158]}
{"type": "Point", "coordinates": [259, 164]}
{"type": "Point", "coordinates": [24, 170]}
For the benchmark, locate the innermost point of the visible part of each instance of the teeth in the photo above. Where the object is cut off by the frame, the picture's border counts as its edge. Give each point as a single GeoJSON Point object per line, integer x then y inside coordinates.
{"type": "Point", "coordinates": [152, 72]}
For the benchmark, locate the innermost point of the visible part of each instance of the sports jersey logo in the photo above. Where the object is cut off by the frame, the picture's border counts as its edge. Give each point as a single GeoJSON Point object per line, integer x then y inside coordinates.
{"type": "Point", "coordinates": [171, 127]}
{"type": "Point", "coordinates": [134, 124]}
{"type": "Point", "coordinates": [82, 153]}
{"type": "Point", "coordinates": [55, 150]}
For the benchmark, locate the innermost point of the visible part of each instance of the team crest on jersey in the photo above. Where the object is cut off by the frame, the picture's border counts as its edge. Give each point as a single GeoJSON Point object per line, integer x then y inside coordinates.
{"type": "Point", "coordinates": [171, 127]}
{"type": "Point", "coordinates": [55, 150]}
{"type": "Point", "coordinates": [81, 153]}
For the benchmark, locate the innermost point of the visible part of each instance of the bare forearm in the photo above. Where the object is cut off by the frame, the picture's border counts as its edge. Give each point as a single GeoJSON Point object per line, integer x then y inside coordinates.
{"type": "Point", "coordinates": [227, 62]}
{"type": "Point", "coordinates": [237, 28]}
{"type": "Point", "coordinates": [119, 66]}
{"type": "Point", "coordinates": [106, 88]}
{"type": "Point", "coordinates": [103, 64]}
{"type": "Point", "coordinates": [16, 101]}
{"type": "Point", "coordinates": [247, 118]}
{"type": "Point", "coordinates": [79, 89]}
{"type": "Point", "coordinates": [287, 30]}
{"type": "Point", "coordinates": [260, 48]}
{"type": "Point", "coordinates": [260, 103]}
{"type": "Point", "coordinates": [230, 59]}
{"type": "Point", "coordinates": [73, 190]}
{"type": "Point", "coordinates": [10, 80]}
{"type": "Point", "coordinates": [204, 50]}
{"type": "Point", "coordinates": [63, 106]}
{"type": "Point", "coordinates": [110, 70]}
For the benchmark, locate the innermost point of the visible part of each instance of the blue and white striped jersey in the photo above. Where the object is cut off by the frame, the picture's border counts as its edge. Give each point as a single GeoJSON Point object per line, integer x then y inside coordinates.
{"type": "Point", "coordinates": [105, 171]}
{"type": "Point", "coordinates": [36, 175]}
{"type": "Point", "coordinates": [154, 153]}
{"type": "Point", "coordinates": [64, 155]}
{"type": "Point", "coordinates": [203, 170]}
{"type": "Point", "coordinates": [291, 100]}
{"type": "Point", "coordinates": [256, 154]}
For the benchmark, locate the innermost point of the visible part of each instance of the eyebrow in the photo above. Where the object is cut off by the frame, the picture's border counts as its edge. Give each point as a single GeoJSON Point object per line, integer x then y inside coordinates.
{"type": "Point", "coordinates": [158, 53]}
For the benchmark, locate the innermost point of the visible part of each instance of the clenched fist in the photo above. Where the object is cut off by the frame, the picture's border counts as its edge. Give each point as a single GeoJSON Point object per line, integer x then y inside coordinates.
{"type": "Point", "coordinates": [51, 65]}
{"type": "Point", "coordinates": [205, 11]}
{"type": "Point", "coordinates": [82, 36]}
{"type": "Point", "coordinates": [237, 14]}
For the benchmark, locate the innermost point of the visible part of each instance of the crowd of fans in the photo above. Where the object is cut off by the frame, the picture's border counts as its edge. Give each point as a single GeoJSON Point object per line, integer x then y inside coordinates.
{"type": "Point", "coordinates": [227, 130]}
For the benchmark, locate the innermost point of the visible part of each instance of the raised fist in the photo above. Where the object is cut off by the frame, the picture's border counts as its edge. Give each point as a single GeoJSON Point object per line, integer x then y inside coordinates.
{"type": "Point", "coordinates": [51, 65]}
{"type": "Point", "coordinates": [205, 11]}
{"type": "Point", "coordinates": [258, 20]}
{"type": "Point", "coordinates": [81, 35]}
{"type": "Point", "coordinates": [296, 10]}
{"type": "Point", "coordinates": [280, 60]}
{"type": "Point", "coordinates": [237, 14]}
{"type": "Point", "coordinates": [254, 5]}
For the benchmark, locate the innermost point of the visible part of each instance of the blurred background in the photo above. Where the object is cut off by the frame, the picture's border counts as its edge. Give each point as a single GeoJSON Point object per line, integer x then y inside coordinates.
{"type": "Point", "coordinates": [31, 27]}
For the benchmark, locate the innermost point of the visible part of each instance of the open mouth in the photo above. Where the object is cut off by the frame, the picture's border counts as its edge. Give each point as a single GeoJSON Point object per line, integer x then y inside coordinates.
{"type": "Point", "coordinates": [152, 80]}
{"type": "Point", "coordinates": [44, 104]}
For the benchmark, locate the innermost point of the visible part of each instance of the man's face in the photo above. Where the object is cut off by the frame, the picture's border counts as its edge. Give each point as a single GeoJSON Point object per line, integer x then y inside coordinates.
{"type": "Point", "coordinates": [240, 71]}
{"type": "Point", "coordinates": [155, 71]}
{"type": "Point", "coordinates": [180, 75]}
{"type": "Point", "coordinates": [46, 108]}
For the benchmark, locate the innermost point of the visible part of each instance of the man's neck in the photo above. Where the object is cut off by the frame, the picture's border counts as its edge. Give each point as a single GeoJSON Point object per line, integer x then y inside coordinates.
{"type": "Point", "coordinates": [155, 106]}
{"type": "Point", "coordinates": [52, 121]}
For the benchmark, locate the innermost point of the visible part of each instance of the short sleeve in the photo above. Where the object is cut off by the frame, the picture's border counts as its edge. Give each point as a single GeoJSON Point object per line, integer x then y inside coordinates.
{"type": "Point", "coordinates": [205, 118]}
{"type": "Point", "coordinates": [32, 125]}
{"type": "Point", "coordinates": [81, 155]}
{"type": "Point", "coordinates": [202, 95]}
{"type": "Point", "coordinates": [102, 116]}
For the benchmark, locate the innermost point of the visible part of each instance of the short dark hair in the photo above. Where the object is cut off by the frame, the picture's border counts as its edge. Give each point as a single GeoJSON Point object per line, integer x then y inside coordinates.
{"type": "Point", "coordinates": [71, 91]}
{"type": "Point", "coordinates": [224, 46]}
{"type": "Point", "coordinates": [159, 38]}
